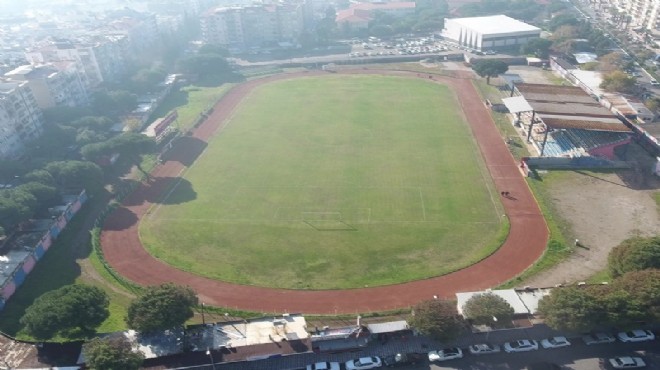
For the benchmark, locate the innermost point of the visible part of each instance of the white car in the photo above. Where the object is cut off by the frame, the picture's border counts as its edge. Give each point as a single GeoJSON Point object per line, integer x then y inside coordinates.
{"type": "Point", "coordinates": [483, 349]}
{"type": "Point", "coordinates": [627, 362]}
{"type": "Point", "coordinates": [598, 338]}
{"type": "Point", "coordinates": [445, 354]}
{"type": "Point", "coordinates": [364, 363]}
{"type": "Point", "coordinates": [522, 345]}
{"type": "Point", "coordinates": [324, 366]}
{"type": "Point", "coordinates": [636, 336]}
{"type": "Point", "coordinates": [555, 342]}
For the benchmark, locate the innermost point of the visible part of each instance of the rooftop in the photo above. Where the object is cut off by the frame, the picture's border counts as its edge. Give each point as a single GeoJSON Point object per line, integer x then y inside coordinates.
{"type": "Point", "coordinates": [568, 107]}
{"type": "Point", "coordinates": [495, 24]}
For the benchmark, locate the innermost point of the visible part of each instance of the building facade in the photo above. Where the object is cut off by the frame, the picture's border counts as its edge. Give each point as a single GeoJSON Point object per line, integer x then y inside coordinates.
{"type": "Point", "coordinates": [243, 27]}
{"type": "Point", "coordinates": [20, 118]}
{"type": "Point", "coordinates": [643, 13]}
{"type": "Point", "coordinates": [52, 87]}
{"type": "Point", "coordinates": [492, 32]}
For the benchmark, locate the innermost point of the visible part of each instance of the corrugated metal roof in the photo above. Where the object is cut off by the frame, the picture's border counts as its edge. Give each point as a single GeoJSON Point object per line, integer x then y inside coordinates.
{"type": "Point", "coordinates": [569, 107]}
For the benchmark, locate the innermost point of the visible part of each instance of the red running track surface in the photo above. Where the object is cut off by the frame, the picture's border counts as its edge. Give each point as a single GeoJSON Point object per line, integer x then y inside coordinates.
{"type": "Point", "coordinates": [525, 243]}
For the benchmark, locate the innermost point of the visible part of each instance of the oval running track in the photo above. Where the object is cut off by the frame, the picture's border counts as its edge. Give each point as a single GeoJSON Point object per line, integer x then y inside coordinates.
{"type": "Point", "coordinates": [525, 243]}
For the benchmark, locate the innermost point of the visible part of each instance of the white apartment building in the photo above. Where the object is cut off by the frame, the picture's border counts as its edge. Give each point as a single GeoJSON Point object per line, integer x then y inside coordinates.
{"type": "Point", "coordinates": [643, 13]}
{"type": "Point", "coordinates": [20, 118]}
{"type": "Point", "coordinates": [241, 27]}
{"type": "Point", "coordinates": [52, 87]}
{"type": "Point", "coordinates": [99, 58]}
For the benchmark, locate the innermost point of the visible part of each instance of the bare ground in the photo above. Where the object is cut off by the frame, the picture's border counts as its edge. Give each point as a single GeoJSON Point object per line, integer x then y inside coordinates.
{"type": "Point", "coordinates": [603, 209]}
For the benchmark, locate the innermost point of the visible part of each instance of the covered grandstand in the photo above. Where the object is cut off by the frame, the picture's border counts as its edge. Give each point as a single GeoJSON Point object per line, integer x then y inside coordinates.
{"type": "Point", "coordinates": [564, 121]}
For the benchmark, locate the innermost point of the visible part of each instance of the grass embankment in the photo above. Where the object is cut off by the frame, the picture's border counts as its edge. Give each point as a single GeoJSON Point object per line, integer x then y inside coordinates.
{"type": "Point", "coordinates": [69, 263]}
{"type": "Point", "coordinates": [332, 182]}
{"type": "Point", "coordinates": [558, 248]}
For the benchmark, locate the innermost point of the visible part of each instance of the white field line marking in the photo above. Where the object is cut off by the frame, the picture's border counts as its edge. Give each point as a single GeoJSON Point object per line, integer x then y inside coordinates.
{"type": "Point", "coordinates": [269, 221]}
{"type": "Point", "coordinates": [421, 198]}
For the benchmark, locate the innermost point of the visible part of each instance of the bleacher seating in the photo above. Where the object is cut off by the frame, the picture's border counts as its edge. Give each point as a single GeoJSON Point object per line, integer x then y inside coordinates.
{"type": "Point", "coordinates": [575, 143]}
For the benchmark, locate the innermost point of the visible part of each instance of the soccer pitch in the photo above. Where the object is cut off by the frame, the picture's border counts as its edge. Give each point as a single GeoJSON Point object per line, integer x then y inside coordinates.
{"type": "Point", "coordinates": [333, 182]}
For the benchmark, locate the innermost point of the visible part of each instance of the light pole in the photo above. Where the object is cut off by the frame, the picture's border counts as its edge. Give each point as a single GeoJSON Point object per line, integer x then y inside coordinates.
{"type": "Point", "coordinates": [210, 354]}
{"type": "Point", "coordinates": [203, 320]}
{"type": "Point", "coordinates": [490, 328]}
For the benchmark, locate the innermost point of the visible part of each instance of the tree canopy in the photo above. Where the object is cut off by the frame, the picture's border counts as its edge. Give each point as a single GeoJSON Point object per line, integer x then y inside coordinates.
{"type": "Point", "coordinates": [111, 353]}
{"type": "Point", "coordinates": [161, 307]}
{"type": "Point", "coordinates": [489, 68]}
{"type": "Point", "coordinates": [618, 81]}
{"type": "Point", "coordinates": [538, 47]}
{"type": "Point", "coordinates": [75, 175]}
{"type": "Point", "coordinates": [437, 319]}
{"type": "Point", "coordinates": [60, 311]}
{"type": "Point", "coordinates": [572, 309]}
{"type": "Point", "coordinates": [488, 309]}
{"type": "Point", "coordinates": [644, 289]}
{"type": "Point", "coordinates": [634, 254]}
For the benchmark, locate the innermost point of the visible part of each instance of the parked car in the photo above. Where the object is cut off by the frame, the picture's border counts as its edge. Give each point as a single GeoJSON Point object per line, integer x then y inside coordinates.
{"type": "Point", "coordinates": [522, 345]}
{"type": "Point", "coordinates": [655, 83]}
{"type": "Point", "coordinates": [445, 354]}
{"type": "Point", "coordinates": [627, 362]}
{"type": "Point", "coordinates": [324, 366]}
{"type": "Point", "coordinates": [555, 342]}
{"type": "Point", "coordinates": [482, 349]}
{"type": "Point", "coordinates": [403, 359]}
{"type": "Point", "coordinates": [364, 363]}
{"type": "Point", "coordinates": [636, 336]}
{"type": "Point", "coordinates": [598, 338]}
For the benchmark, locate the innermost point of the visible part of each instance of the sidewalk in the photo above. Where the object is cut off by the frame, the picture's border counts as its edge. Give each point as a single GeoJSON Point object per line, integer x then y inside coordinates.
{"type": "Point", "coordinates": [417, 344]}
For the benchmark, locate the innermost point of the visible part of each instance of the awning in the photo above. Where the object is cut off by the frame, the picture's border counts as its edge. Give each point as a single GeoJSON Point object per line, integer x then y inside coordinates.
{"type": "Point", "coordinates": [517, 104]}
{"type": "Point", "coordinates": [388, 327]}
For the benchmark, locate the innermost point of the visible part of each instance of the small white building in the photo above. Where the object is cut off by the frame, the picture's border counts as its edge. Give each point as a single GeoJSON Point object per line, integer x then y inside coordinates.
{"type": "Point", "coordinates": [492, 32]}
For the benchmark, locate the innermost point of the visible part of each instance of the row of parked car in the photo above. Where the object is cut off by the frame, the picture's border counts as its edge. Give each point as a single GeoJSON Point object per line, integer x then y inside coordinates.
{"type": "Point", "coordinates": [522, 345]}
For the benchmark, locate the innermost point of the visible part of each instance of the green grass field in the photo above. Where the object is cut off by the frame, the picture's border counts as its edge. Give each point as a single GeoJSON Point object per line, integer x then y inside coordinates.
{"type": "Point", "coordinates": [333, 182]}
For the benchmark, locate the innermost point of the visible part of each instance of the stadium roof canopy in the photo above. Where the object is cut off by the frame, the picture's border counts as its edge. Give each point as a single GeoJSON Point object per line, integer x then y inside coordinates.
{"type": "Point", "coordinates": [495, 24]}
{"type": "Point", "coordinates": [567, 107]}
{"type": "Point", "coordinates": [517, 104]}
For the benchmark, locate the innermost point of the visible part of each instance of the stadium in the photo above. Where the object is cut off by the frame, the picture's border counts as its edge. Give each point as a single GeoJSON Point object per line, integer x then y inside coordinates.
{"type": "Point", "coordinates": [463, 181]}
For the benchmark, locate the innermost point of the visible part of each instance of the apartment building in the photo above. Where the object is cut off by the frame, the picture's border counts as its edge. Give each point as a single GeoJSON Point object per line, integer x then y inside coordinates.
{"type": "Point", "coordinates": [51, 86]}
{"type": "Point", "coordinates": [20, 118]}
{"type": "Point", "coordinates": [242, 27]}
{"type": "Point", "coordinates": [643, 13]}
{"type": "Point", "coordinates": [100, 57]}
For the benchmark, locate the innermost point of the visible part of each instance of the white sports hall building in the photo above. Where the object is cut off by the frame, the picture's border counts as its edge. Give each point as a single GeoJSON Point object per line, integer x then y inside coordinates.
{"type": "Point", "coordinates": [492, 32]}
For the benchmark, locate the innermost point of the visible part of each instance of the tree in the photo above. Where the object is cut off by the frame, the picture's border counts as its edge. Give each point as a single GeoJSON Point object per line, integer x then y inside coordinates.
{"type": "Point", "coordinates": [488, 309]}
{"type": "Point", "coordinates": [76, 175]}
{"type": "Point", "coordinates": [437, 319]}
{"type": "Point", "coordinates": [612, 62]}
{"type": "Point", "coordinates": [111, 353]}
{"type": "Point", "coordinates": [489, 68]}
{"type": "Point", "coordinates": [572, 309]}
{"type": "Point", "coordinates": [634, 254]}
{"type": "Point", "coordinates": [44, 194]}
{"type": "Point", "coordinates": [205, 65]}
{"type": "Point", "coordinates": [113, 103]}
{"type": "Point", "coordinates": [538, 47]}
{"type": "Point", "coordinates": [644, 290]}
{"type": "Point", "coordinates": [79, 306]}
{"type": "Point", "coordinates": [162, 307]}
{"type": "Point", "coordinates": [618, 81]}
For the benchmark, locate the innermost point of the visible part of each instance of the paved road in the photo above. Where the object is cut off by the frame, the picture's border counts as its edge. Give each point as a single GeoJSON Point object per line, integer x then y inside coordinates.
{"type": "Point", "coordinates": [577, 357]}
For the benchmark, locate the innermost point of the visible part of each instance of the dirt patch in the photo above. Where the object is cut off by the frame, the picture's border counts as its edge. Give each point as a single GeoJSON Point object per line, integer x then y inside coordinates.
{"type": "Point", "coordinates": [603, 209]}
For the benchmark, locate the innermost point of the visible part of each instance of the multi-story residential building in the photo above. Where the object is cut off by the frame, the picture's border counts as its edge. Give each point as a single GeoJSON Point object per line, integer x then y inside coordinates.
{"type": "Point", "coordinates": [358, 15]}
{"type": "Point", "coordinates": [20, 118]}
{"type": "Point", "coordinates": [241, 27]}
{"type": "Point", "coordinates": [101, 58]}
{"type": "Point", "coordinates": [52, 87]}
{"type": "Point", "coordinates": [643, 13]}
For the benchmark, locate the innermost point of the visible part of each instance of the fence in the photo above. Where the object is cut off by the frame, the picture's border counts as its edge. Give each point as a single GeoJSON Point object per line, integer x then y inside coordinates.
{"type": "Point", "coordinates": [24, 267]}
